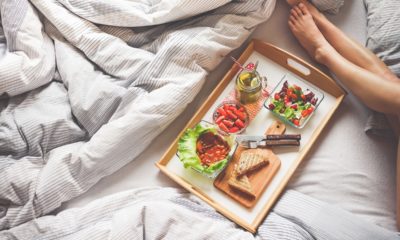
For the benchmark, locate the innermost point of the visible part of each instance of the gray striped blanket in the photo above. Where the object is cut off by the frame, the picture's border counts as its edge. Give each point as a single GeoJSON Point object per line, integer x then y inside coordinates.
{"type": "Point", "coordinates": [171, 214]}
{"type": "Point", "coordinates": [85, 86]}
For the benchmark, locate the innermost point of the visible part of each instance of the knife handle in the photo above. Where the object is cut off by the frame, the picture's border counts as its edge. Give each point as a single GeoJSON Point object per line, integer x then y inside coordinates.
{"type": "Point", "coordinates": [284, 136]}
{"type": "Point", "coordinates": [282, 142]}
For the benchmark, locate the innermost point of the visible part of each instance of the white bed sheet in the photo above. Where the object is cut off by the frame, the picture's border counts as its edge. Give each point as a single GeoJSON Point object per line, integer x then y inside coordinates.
{"type": "Point", "coordinates": [347, 167]}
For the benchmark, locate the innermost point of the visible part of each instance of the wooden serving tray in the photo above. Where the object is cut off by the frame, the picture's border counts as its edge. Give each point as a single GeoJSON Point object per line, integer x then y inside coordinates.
{"type": "Point", "coordinates": [274, 63]}
{"type": "Point", "coordinates": [260, 179]}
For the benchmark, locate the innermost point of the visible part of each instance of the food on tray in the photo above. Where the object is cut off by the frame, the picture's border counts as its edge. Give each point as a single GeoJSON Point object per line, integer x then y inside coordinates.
{"type": "Point", "coordinates": [241, 183]}
{"type": "Point", "coordinates": [250, 161]}
{"type": "Point", "coordinates": [293, 103]}
{"type": "Point", "coordinates": [203, 149]}
{"type": "Point", "coordinates": [248, 86]}
{"type": "Point", "coordinates": [231, 117]}
{"type": "Point", "coordinates": [211, 148]}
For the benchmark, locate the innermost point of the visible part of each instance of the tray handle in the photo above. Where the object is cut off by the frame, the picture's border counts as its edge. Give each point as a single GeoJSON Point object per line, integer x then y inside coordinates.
{"type": "Point", "coordinates": [298, 67]}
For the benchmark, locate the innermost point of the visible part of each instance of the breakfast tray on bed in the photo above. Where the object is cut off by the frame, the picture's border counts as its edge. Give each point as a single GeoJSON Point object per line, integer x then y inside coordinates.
{"type": "Point", "coordinates": [274, 64]}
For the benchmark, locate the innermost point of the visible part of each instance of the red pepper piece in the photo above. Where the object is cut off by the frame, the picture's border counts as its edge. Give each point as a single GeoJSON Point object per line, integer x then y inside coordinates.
{"type": "Point", "coordinates": [228, 123]}
{"type": "Point", "coordinates": [241, 115]}
{"type": "Point", "coordinates": [234, 129]}
{"type": "Point", "coordinates": [231, 115]}
{"type": "Point", "coordinates": [219, 119]}
{"type": "Point", "coordinates": [223, 127]}
{"type": "Point", "coordinates": [221, 112]}
{"type": "Point", "coordinates": [239, 123]}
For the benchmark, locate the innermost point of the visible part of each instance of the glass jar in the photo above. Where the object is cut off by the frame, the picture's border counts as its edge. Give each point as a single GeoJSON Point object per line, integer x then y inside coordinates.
{"type": "Point", "coordinates": [248, 86]}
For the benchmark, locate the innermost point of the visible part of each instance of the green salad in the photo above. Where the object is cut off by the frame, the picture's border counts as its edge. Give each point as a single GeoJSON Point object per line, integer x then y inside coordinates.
{"type": "Point", "coordinates": [293, 103]}
{"type": "Point", "coordinates": [203, 149]}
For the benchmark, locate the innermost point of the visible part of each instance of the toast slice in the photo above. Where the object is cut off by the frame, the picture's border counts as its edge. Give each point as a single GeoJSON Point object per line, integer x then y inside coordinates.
{"type": "Point", "coordinates": [242, 184]}
{"type": "Point", "coordinates": [250, 161]}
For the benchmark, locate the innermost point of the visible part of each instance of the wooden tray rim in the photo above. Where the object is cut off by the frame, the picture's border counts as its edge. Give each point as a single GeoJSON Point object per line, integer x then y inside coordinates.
{"type": "Point", "coordinates": [327, 84]}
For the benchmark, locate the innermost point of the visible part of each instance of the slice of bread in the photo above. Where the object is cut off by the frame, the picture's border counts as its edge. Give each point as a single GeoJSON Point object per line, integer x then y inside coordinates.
{"type": "Point", "coordinates": [241, 183]}
{"type": "Point", "coordinates": [250, 161]}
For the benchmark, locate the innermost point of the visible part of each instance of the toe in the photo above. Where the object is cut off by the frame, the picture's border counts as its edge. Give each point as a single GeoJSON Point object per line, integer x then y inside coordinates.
{"type": "Point", "coordinates": [298, 11]}
{"type": "Point", "coordinates": [293, 20]}
{"type": "Point", "coordinates": [294, 13]}
{"type": "Point", "coordinates": [291, 25]}
{"type": "Point", "coordinates": [302, 7]}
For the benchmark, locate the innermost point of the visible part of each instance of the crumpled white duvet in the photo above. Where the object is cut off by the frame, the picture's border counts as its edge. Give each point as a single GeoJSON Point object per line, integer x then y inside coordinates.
{"type": "Point", "coordinates": [85, 86]}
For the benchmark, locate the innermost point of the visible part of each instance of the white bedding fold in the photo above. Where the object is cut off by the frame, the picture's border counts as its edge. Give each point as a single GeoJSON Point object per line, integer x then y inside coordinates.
{"type": "Point", "coordinates": [114, 91]}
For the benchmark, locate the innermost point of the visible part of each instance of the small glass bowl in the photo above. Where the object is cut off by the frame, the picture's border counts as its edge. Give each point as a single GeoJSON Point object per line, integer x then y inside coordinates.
{"type": "Point", "coordinates": [292, 80]}
{"type": "Point", "coordinates": [236, 105]}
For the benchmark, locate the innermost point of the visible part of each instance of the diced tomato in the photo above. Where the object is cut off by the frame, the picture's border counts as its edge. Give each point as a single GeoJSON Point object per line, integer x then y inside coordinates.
{"type": "Point", "coordinates": [296, 87]}
{"type": "Point", "coordinates": [277, 97]}
{"type": "Point", "coordinates": [239, 123]}
{"type": "Point", "coordinates": [293, 96]}
{"type": "Point", "coordinates": [221, 111]}
{"type": "Point", "coordinates": [231, 114]}
{"type": "Point", "coordinates": [223, 127]}
{"type": "Point", "coordinates": [234, 129]}
{"type": "Point", "coordinates": [303, 97]}
{"type": "Point", "coordinates": [294, 106]}
{"type": "Point", "coordinates": [286, 99]}
{"type": "Point", "coordinates": [219, 119]}
{"type": "Point", "coordinates": [241, 109]}
{"type": "Point", "coordinates": [241, 116]}
{"type": "Point", "coordinates": [289, 92]}
{"type": "Point", "coordinates": [228, 123]}
{"type": "Point", "coordinates": [310, 110]}
{"type": "Point", "coordinates": [296, 122]}
{"type": "Point", "coordinates": [304, 113]}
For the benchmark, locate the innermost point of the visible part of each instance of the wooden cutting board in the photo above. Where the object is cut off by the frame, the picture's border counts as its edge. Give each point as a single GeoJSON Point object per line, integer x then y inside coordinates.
{"type": "Point", "coordinates": [260, 179]}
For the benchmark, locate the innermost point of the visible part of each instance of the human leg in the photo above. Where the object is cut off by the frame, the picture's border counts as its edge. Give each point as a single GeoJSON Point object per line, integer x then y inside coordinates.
{"type": "Point", "coordinates": [361, 81]}
{"type": "Point", "coordinates": [344, 45]}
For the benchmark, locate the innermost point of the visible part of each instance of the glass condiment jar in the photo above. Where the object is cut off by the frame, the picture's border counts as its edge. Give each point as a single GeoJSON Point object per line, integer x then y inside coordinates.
{"type": "Point", "coordinates": [248, 86]}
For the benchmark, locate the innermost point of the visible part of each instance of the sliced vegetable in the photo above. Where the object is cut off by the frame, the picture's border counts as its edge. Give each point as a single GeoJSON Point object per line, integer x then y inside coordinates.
{"type": "Point", "coordinates": [292, 103]}
{"type": "Point", "coordinates": [235, 118]}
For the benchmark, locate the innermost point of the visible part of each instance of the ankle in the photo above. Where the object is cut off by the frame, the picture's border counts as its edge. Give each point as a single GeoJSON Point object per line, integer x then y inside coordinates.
{"type": "Point", "coordinates": [322, 54]}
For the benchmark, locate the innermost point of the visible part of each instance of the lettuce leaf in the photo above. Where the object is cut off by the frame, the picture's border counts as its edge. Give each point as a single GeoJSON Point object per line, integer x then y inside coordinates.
{"type": "Point", "coordinates": [187, 149]}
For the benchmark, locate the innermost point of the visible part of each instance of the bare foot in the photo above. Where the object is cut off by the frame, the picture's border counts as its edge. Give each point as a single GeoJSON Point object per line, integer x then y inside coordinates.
{"type": "Point", "coordinates": [302, 25]}
{"type": "Point", "coordinates": [319, 18]}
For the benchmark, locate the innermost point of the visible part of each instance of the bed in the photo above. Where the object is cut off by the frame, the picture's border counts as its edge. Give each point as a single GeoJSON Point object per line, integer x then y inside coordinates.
{"type": "Point", "coordinates": [347, 168]}
{"type": "Point", "coordinates": [345, 175]}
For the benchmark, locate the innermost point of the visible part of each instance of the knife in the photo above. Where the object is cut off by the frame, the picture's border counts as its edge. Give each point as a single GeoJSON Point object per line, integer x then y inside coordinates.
{"type": "Point", "coordinates": [254, 141]}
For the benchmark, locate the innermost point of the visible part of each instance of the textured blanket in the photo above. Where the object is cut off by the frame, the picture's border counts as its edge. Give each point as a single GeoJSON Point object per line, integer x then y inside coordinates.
{"type": "Point", "coordinates": [155, 213]}
{"type": "Point", "coordinates": [85, 86]}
